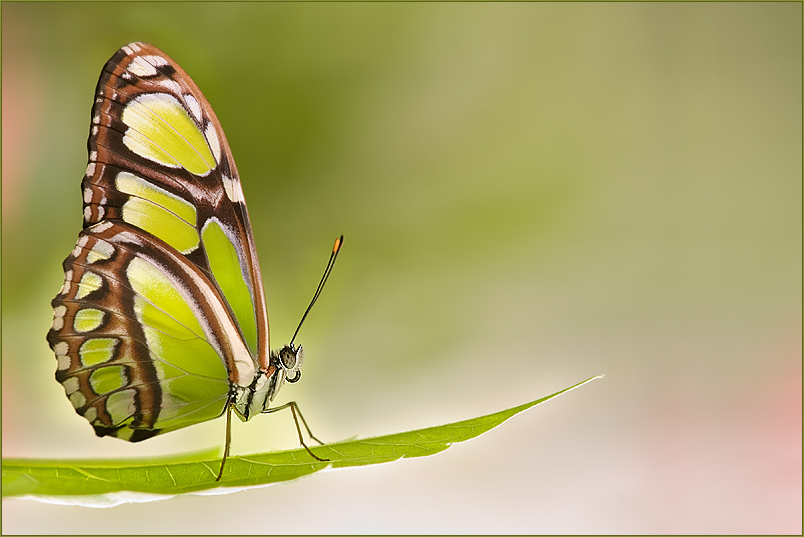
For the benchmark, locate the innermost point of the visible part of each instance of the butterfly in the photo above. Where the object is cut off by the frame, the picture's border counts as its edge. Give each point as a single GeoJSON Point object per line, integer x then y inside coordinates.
{"type": "Point", "coordinates": [161, 321]}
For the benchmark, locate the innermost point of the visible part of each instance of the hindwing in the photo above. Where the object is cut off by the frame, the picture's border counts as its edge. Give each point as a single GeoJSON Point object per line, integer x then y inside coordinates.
{"type": "Point", "coordinates": [137, 340]}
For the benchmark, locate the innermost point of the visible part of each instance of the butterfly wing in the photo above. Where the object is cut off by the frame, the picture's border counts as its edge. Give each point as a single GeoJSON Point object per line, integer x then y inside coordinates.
{"type": "Point", "coordinates": [162, 310]}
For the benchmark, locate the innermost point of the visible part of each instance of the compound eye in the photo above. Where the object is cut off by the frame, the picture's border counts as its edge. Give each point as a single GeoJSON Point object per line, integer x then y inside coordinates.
{"type": "Point", "coordinates": [288, 358]}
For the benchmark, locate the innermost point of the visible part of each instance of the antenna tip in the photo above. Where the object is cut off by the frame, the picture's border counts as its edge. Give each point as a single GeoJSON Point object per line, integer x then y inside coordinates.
{"type": "Point", "coordinates": [338, 243]}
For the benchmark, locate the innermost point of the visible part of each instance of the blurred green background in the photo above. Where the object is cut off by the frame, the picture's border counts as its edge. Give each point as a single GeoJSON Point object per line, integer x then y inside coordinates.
{"type": "Point", "coordinates": [531, 194]}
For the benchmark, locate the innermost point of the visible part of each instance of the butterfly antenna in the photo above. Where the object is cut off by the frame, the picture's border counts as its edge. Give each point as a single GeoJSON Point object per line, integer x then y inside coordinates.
{"type": "Point", "coordinates": [331, 263]}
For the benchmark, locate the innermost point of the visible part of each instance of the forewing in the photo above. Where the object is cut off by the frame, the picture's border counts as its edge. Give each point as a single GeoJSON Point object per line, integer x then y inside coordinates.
{"type": "Point", "coordinates": [159, 160]}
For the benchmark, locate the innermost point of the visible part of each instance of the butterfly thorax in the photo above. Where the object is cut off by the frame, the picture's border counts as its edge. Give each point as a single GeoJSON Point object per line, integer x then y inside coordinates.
{"type": "Point", "coordinates": [284, 366]}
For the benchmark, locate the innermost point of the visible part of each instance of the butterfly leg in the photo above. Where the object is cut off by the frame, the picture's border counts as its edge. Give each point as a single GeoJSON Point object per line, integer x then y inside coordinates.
{"type": "Point", "coordinates": [228, 439]}
{"type": "Point", "coordinates": [294, 409]}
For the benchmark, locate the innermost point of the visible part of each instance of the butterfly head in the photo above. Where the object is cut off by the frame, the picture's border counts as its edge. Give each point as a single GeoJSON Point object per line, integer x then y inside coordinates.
{"type": "Point", "coordinates": [289, 361]}
{"type": "Point", "coordinates": [285, 366]}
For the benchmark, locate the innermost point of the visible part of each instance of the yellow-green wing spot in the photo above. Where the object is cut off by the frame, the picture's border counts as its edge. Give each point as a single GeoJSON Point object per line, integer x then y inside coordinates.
{"type": "Point", "coordinates": [108, 379]}
{"type": "Point", "coordinates": [87, 320]}
{"type": "Point", "coordinates": [121, 406]}
{"type": "Point", "coordinates": [162, 131]}
{"type": "Point", "coordinates": [89, 282]}
{"type": "Point", "coordinates": [230, 275]}
{"type": "Point", "coordinates": [100, 251]}
{"type": "Point", "coordinates": [96, 351]}
{"type": "Point", "coordinates": [192, 376]}
{"type": "Point", "coordinates": [137, 186]}
{"type": "Point", "coordinates": [158, 212]}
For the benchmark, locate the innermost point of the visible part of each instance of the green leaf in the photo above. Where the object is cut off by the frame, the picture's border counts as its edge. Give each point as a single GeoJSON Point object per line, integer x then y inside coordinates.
{"type": "Point", "coordinates": [81, 481]}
